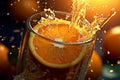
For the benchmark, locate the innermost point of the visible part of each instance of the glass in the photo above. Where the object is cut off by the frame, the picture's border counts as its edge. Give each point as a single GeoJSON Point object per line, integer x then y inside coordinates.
{"type": "Point", "coordinates": [29, 68]}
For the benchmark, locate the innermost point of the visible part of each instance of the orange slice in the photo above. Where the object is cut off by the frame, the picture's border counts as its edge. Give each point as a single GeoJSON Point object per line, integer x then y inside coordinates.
{"type": "Point", "coordinates": [57, 55]}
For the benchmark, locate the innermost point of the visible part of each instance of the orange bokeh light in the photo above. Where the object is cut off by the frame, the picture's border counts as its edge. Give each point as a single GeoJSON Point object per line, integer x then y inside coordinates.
{"type": "Point", "coordinates": [95, 67]}
{"type": "Point", "coordinates": [21, 9]}
{"type": "Point", "coordinates": [111, 44]}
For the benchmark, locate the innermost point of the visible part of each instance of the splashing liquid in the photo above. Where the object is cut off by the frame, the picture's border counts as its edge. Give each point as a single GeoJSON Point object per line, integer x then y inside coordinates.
{"type": "Point", "coordinates": [79, 17]}
{"type": "Point", "coordinates": [79, 13]}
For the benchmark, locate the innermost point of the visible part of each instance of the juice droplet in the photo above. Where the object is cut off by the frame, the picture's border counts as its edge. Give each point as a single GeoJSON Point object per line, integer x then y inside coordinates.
{"type": "Point", "coordinates": [49, 14]}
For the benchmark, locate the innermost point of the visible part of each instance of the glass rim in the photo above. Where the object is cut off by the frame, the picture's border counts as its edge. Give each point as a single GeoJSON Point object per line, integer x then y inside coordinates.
{"type": "Point", "coordinates": [29, 26]}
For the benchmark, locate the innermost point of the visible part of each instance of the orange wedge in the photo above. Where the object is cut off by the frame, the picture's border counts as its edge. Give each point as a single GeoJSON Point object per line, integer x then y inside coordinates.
{"type": "Point", "coordinates": [57, 55]}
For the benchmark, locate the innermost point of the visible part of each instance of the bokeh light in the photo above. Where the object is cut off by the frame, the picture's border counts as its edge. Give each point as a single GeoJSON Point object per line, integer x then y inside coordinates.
{"type": "Point", "coordinates": [6, 69]}
{"type": "Point", "coordinates": [111, 44]}
{"type": "Point", "coordinates": [95, 67]}
{"type": "Point", "coordinates": [21, 9]}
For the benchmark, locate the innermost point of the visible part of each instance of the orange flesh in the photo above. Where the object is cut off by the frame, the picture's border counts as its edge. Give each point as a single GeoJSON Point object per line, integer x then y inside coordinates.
{"type": "Point", "coordinates": [53, 54]}
{"type": "Point", "coordinates": [63, 31]}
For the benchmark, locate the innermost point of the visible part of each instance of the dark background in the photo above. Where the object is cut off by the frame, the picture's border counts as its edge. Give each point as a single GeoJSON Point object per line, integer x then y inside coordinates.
{"type": "Point", "coordinates": [12, 21]}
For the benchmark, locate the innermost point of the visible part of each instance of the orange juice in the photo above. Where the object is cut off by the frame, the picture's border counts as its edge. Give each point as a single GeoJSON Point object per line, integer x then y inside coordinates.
{"type": "Point", "coordinates": [53, 49]}
{"type": "Point", "coordinates": [57, 52]}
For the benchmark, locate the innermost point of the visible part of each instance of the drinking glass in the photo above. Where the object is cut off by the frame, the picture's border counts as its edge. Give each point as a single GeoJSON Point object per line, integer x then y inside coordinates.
{"type": "Point", "coordinates": [30, 68]}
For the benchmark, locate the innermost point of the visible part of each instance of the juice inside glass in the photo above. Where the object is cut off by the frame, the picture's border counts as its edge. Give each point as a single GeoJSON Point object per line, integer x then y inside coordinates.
{"type": "Point", "coordinates": [53, 49]}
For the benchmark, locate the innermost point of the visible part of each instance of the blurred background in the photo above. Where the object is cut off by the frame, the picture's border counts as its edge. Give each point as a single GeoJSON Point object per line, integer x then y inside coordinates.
{"type": "Point", "coordinates": [105, 63]}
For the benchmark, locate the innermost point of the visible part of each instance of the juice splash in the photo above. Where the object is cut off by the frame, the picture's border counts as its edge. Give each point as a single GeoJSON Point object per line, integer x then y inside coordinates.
{"type": "Point", "coordinates": [79, 12]}
{"type": "Point", "coordinates": [78, 18]}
